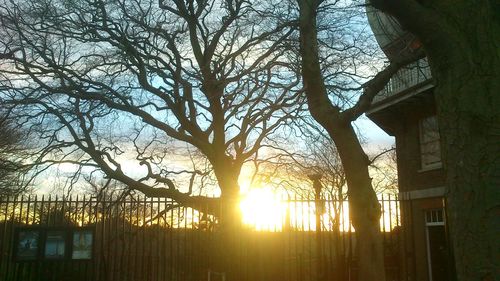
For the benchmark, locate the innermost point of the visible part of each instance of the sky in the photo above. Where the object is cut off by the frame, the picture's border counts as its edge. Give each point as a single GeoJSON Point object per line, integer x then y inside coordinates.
{"type": "Point", "coordinates": [377, 139]}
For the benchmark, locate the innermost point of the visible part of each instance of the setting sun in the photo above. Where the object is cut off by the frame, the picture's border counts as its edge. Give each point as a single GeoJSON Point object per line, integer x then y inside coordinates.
{"type": "Point", "coordinates": [263, 209]}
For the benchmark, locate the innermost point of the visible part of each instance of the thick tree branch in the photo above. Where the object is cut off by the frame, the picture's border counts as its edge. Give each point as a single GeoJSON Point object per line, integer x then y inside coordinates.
{"type": "Point", "coordinates": [320, 106]}
{"type": "Point", "coordinates": [374, 86]}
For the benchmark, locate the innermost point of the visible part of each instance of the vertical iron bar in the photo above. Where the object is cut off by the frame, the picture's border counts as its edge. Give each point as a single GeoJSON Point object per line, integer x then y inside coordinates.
{"type": "Point", "coordinates": [19, 221]}
{"type": "Point", "coordinates": [42, 222]}
{"type": "Point", "coordinates": [113, 254]}
{"type": "Point", "coordinates": [124, 248]}
{"type": "Point", "coordinates": [171, 244]}
{"type": "Point", "coordinates": [102, 265]}
{"type": "Point", "coordinates": [30, 267]}
{"type": "Point", "coordinates": [310, 233]}
{"type": "Point", "coordinates": [92, 206]}
{"type": "Point", "coordinates": [145, 257]}
{"type": "Point", "coordinates": [7, 238]}
{"type": "Point", "coordinates": [3, 240]}
{"type": "Point", "coordinates": [164, 232]}
{"type": "Point", "coordinates": [136, 239]}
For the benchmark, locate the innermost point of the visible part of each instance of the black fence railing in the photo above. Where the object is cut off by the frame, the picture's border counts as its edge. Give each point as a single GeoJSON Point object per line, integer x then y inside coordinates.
{"type": "Point", "coordinates": [414, 75]}
{"type": "Point", "coordinates": [88, 238]}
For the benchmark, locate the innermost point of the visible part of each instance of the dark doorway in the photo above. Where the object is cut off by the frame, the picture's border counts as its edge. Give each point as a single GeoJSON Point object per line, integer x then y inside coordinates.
{"type": "Point", "coordinates": [438, 253]}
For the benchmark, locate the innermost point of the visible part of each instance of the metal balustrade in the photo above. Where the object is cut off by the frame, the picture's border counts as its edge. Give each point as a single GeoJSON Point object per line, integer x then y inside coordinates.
{"type": "Point", "coordinates": [409, 77]}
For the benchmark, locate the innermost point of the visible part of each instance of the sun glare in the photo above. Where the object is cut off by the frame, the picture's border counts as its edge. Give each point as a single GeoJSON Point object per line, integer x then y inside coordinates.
{"type": "Point", "coordinates": [262, 209]}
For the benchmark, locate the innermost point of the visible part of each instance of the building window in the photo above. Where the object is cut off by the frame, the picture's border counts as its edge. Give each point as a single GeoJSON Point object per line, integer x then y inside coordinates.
{"type": "Point", "coordinates": [434, 217]}
{"type": "Point", "coordinates": [430, 148]}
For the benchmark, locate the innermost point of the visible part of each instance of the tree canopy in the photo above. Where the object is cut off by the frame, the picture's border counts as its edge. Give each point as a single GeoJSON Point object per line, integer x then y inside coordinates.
{"type": "Point", "coordinates": [101, 81]}
{"type": "Point", "coordinates": [110, 85]}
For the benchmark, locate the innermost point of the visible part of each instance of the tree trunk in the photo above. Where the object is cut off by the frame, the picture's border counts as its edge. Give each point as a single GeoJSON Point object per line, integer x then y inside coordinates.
{"type": "Point", "coordinates": [364, 208]}
{"type": "Point", "coordinates": [227, 172]}
{"type": "Point", "coordinates": [461, 41]}
{"type": "Point", "coordinates": [466, 66]}
{"type": "Point", "coordinates": [229, 244]}
{"type": "Point", "coordinates": [469, 115]}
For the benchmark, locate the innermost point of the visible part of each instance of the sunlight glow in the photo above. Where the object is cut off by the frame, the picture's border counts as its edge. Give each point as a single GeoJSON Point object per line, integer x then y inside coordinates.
{"type": "Point", "coordinates": [262, 209]}
{"type": "Point", "coordinates": [265, 209]}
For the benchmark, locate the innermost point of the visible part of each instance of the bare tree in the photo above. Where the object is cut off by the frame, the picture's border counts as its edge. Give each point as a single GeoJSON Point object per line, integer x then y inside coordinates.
{"type": "Point", "coordinates": [101, 82]}
{"type": "Point", "coordinates": [336, 117]}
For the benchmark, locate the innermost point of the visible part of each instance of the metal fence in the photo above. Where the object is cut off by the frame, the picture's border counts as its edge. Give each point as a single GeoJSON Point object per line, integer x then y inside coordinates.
{"type": "Point", "coordinates": [153, 239]}
{"type": "Point", "coordinates": [413, 75]}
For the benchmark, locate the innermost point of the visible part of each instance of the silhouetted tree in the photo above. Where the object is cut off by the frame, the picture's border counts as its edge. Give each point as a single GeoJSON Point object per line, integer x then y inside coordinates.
{"type": "Point", "coordinates": [101, 82]}
{"type": "Point", "coordinates": [336, 117]}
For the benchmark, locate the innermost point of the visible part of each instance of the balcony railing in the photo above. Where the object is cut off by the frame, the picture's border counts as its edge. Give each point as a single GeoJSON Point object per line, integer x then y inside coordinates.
{"type": "Point", "coordinates": [414, 74]}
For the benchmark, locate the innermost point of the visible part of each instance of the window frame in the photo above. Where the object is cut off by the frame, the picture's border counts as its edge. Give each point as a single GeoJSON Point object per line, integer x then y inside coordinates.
{"type": "Point", "coordinates": [426, 144]}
